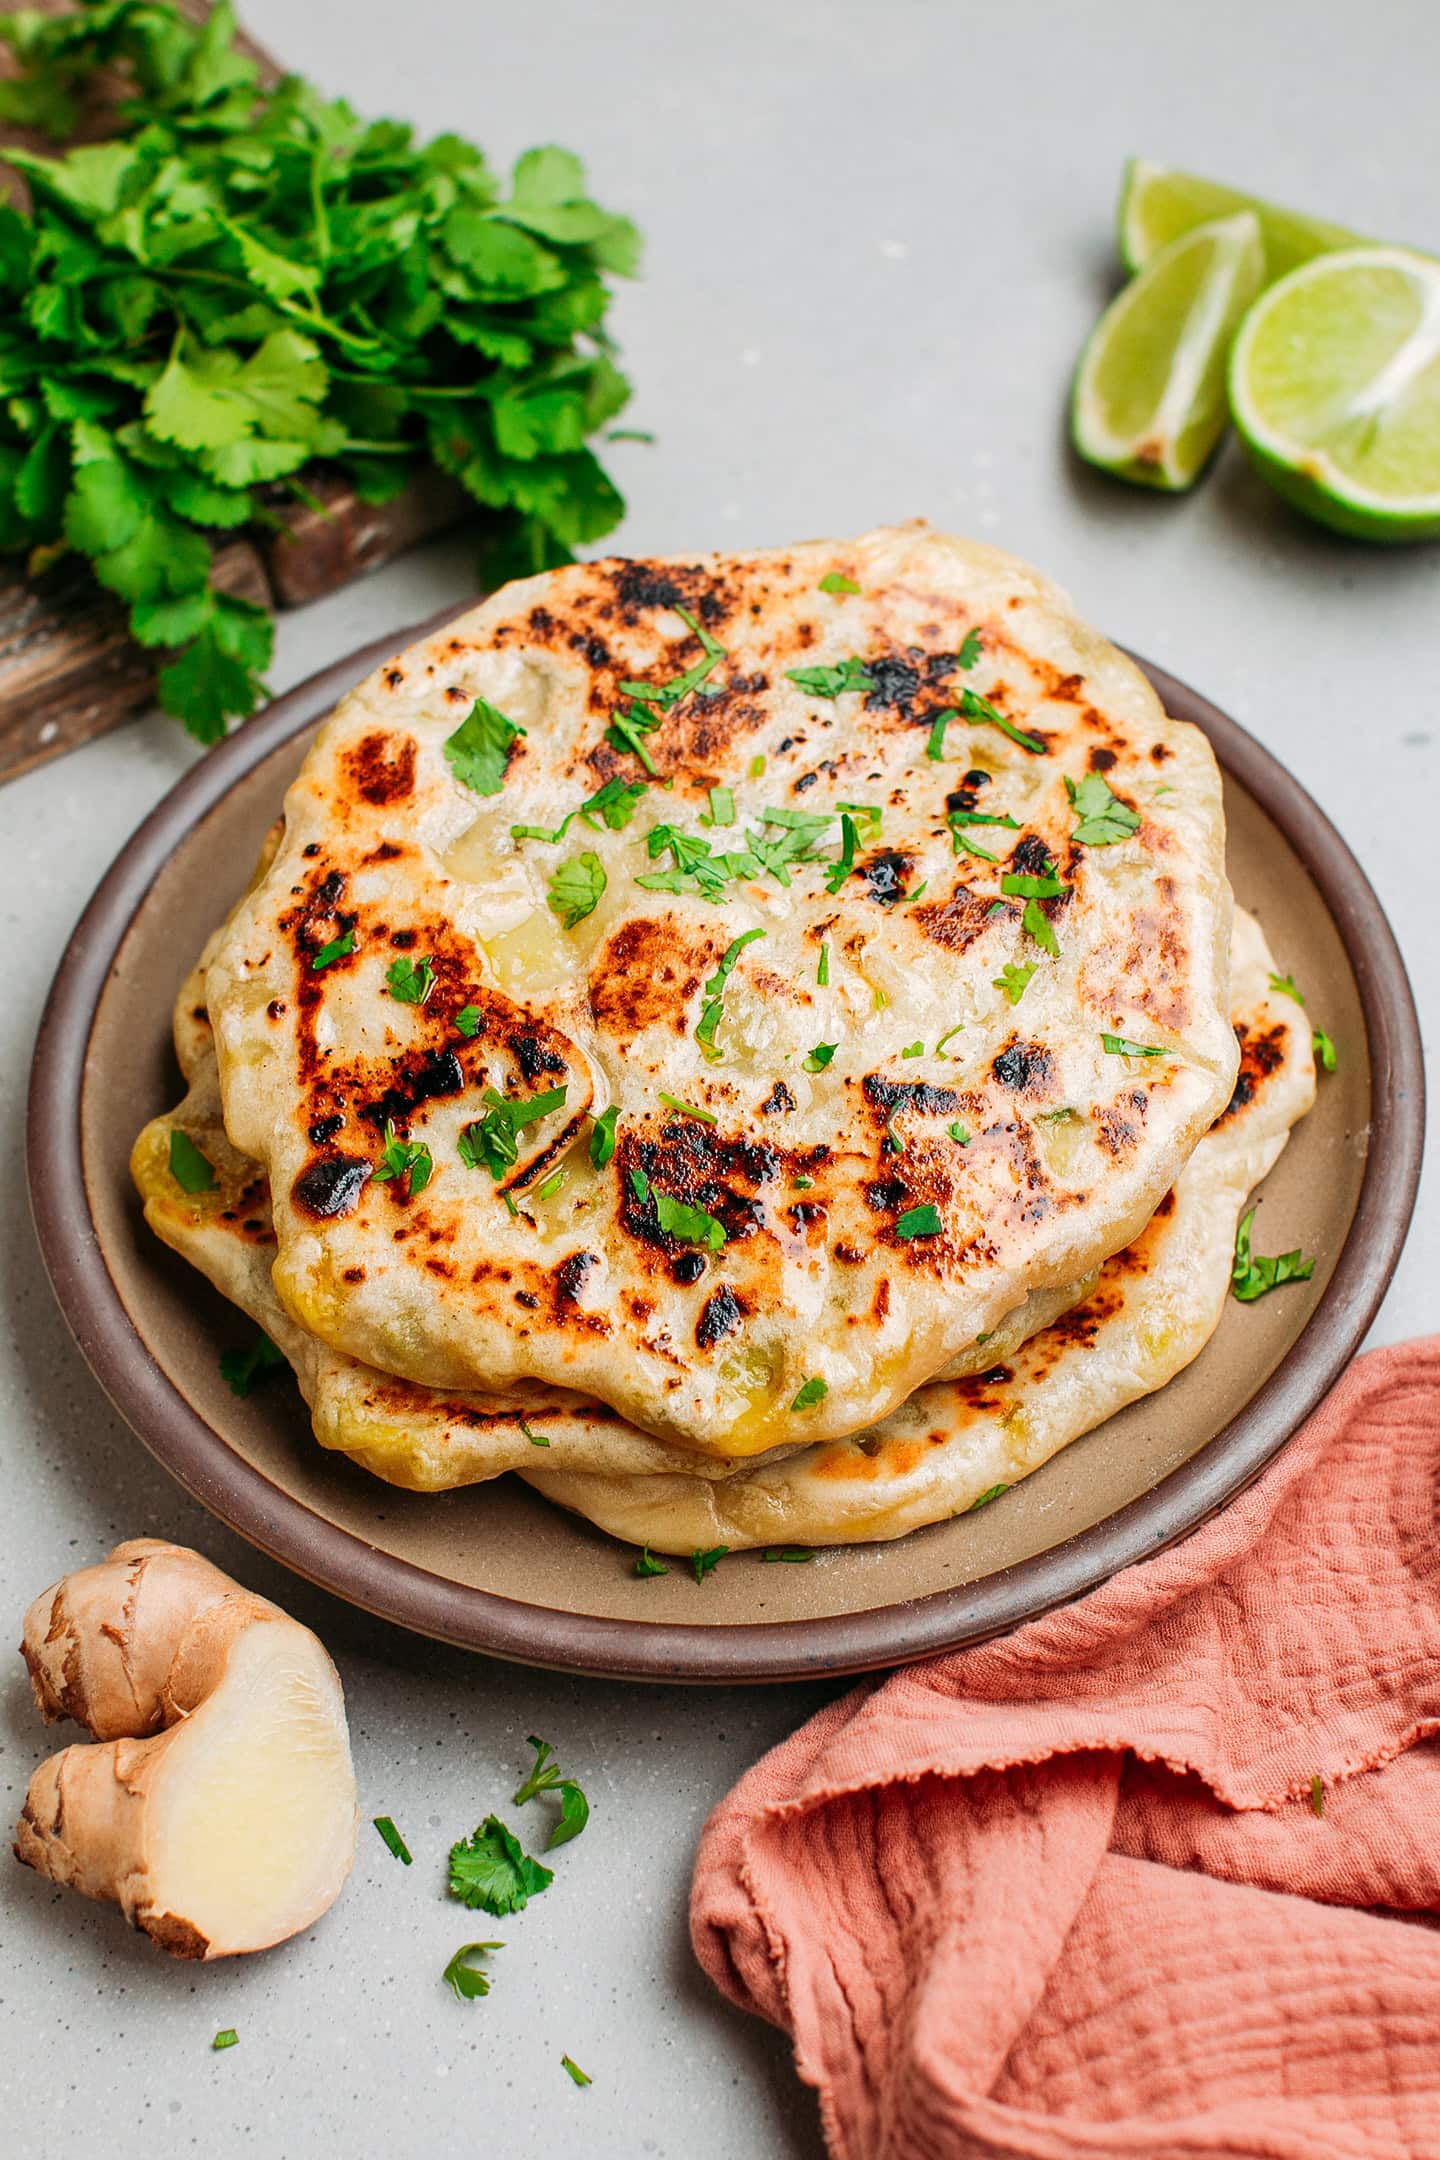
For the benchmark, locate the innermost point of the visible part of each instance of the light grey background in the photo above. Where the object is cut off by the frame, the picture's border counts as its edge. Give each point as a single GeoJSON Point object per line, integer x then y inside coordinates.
{"type": "Point", "coordinates": [878, 234]}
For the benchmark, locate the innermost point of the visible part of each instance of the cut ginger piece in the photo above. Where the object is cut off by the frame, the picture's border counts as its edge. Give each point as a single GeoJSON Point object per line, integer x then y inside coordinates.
{"type": "Point", "coordinates": [216, 1806]}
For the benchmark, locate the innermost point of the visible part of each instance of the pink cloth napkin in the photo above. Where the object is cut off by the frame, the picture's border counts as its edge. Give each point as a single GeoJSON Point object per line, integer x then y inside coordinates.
{"type": "Point", "coordinates": [1066, 1894]}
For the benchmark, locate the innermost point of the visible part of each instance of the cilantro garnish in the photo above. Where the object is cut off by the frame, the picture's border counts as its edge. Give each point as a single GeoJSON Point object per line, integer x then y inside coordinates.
{"type": "Point", "coordinates": [713, 1007]}
{"type": "Point", "coordinates": [835, 581]}
{"type": "Point", "coordinates": [691, 1225]}
{"type": "Point", "coordinates": [820, 1057]}
{"type": "Point", "coordinates": [602, 1137]}
{"type": "Point", "coordinates": [822, 971]}
{"type": "Point", "coordinates": [615, 803]}
{"type": "Point", "coordinates": [407, 1159]}
{"type": "Point", "coordinates": [1104, 819]}
{"type": "Point", "coordinates": [959, 1133]}
{"type": "Point", "coordinates": [226, 2038]}
{"type": "Point", "coordinates": [1036, 924]}
{"type": "Point", "coordinates": [410, 983]}
{"type": "Point", "coordinates": [832, 682]}
{"type": "Point", "coordinates": [981, 713]}
{"type": "Point", "coordinates": [647, 1564]}
{"type": "Point", "coordinates": [1284, 986]}
{"type": "Point", "coordinates": [792, 1553]}
{"type": "Point", "coordinates": [995, 1490]}
{"type": "Point", "coordinates": [913, 1050]}
{"type": "Point", "coordinates": [704, 1563]}
{"type": "Point", "coordinates": [810, 1392]}
{"type": "Point", "coordinates": [640, 1185]}
{"type": "Point", "coordinates": [490, 1873]}
{"type": "Point", "coordinates": [722, 806]}
{"type": "Point", "coordinates": [1022, 887]}
{"type": "Point", "coordinates": [923, 1221]}
{"type": "Point", "coordinates": [392, 1838]}
{"type": "Point", "coordinates": [1255, 1274]}
{"type": "Point", "coordinates": [535, 1439]}
{"type": "Point", "coordinates": [546, 1777]}
{"type": "Point", "coordinates": [1324, 1050]}
{"type": "Point", "coordinates": [547, 1191]}
{"type": "Point", "coordinates": [757, 765]}
{"type": "Point", "coordinates": [463, 1977]}
{"type": "Point", "coordinates": [686, 1109]}
{"type": "Point", "coordinates": [650, 702]}
{"type": "Point", "coordinates": [573, 2071]}
{"type": "Point", "coordinates": [894, 1142]}
{"type": "Point", "coordinates": [191, 1170]}
{"type": "Point", "coordinates": [335, 950]}
{"type": "Point", "coordinates": [846, 864]}
{"type": "Point", "coordinates": [248, 280]}
{"type": "Point", "coordinates": [243, 1370]}
{"type": "Point", "coordinates": [935, 743]}
{"type": "Point", "coordinates": [1118, 1046]}
{"type": "Point", "coordinates": [478, 752]}
{"type": "Point", "coordinates": [576, 888]}
{"type": "Point", "coordinates": [803, 1184]}
{"type": "Point", "coordinates": [958, 1029]}
{"type": "Point", "coordinates": [1012, 980]}
{"type": "Point", "coordinates": [969, 652]}
{"type": "Point", "coordinates": [492, 1140]}
{"type": "Point", "coordinates": [467, 1021]}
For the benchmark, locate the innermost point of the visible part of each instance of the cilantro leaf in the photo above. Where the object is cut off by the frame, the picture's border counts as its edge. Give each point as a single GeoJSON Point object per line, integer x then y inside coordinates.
{"type": "Point", "coordinates": [410, 1161]}
{"type": "Point", "coordinates": [467, 1021]}
{"type": "Point", "coordinates": [691, 1225]}
{"type": "Point", "coordinates": [337, 949]}
{"type": "Point", "coordinates": [478, 752]}
{"type": "Point", "coordinates": [792, 1553]}
{"type": "Point", "coordinates": [576, 888]}
{"type": "Point", "coordinates": [546, 1777]}
{"type": "Point", "coordinates": [714, 993]}
{"type": "Point", "coordinates": [1119, 1046]}
{"type": "Point", "coordinates": [490, 1873]}
{"type": "Point", "coordinates": [1013, 980]}
{"type": "Point", "coordinates": [493, 1140]}
{"type": "Point", "coordinates": [1103, 818]}
{"type": "Point", "coordinates": [396, 1843]}
{"type": "Point", "coordinates": [1036, 924]}
{"type": "Point", "coordinates": [463, 1977]}
{"type": "Point", "coordinates": [810, 1392]}
{"type": "Point", "coordinates": [986, 1497]}
{"type": "Point", "coordinates": [1284, 986]}
{"type": "Point", "coordinates": [981, 713]}
{"type": "Point", "coordinates": [602, 1137]}
{"type": "Point", "coordinates": [704, 1563]}
{"type": "Point", "coordinates": [1324, 1050]}
{"type": "Point", "coordinates": [822, 1055]}
{"type": "Point", "coordinates": [935, 745]}
{"type": "Point", "coordinates": [615, 803]}
{"type": "Point", "coordinates": [190, 1169]}
{"type": "Point", "coordinates": [573, 2071]}
{"type": "Point", "coordinates": [410, 982]}
{"type": "Point", "coordinates": [243, 1370]}
{"type": "Point", "coordinates": [835, 581]}
{"type": "Point", "coordinates": [923, 1221]}
{"type": "Point", "coordinates": [1253, 1274]}
{"type": "Point", "coordinates": [647, 1564]}
{"type": "Point", "coordinates": [969, 651]}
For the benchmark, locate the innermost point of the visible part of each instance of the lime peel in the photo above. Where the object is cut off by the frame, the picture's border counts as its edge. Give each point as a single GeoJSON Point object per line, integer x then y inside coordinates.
{"type": "Point", "coordinates": [1158, 204]}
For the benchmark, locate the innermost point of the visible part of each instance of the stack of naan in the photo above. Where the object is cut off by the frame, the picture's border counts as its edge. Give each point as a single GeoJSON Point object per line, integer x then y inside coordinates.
{"type": "Point", "coordinates": [760, 1045]}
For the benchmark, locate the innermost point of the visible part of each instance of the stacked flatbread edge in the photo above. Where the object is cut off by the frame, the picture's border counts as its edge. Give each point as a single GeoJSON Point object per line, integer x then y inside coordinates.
{"type": "Point", "coordinates": [1081, 1324]}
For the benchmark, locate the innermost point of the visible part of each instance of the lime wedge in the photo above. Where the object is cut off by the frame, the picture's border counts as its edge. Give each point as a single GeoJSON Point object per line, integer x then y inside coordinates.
{"type": "Point", "coordinates": [1335, 389]}
{"type": "Point", "coordinates": [1149, 395]}
{"type": "Point", "coordinates": [1156, 206]}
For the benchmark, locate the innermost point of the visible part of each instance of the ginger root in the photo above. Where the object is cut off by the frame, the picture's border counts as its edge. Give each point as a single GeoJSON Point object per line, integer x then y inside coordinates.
{"type": "Point", "coordinates": [217, 1804]}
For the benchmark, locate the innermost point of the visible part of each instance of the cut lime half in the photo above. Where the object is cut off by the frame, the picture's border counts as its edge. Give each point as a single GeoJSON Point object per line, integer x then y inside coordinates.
{"type": "Point", "coordinates": [1149, 395]}
{"type": "Point", "coordinates": [1157, 206]}
{"type": "Point", "coordinates": [1335, 389]}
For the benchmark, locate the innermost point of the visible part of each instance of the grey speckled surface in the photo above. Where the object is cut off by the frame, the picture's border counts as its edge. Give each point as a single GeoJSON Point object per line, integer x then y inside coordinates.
{"type": "Point", "coordinates": [877, 238]}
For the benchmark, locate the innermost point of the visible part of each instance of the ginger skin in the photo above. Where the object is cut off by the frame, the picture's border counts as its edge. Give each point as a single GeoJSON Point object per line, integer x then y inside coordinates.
{"type": "Point", "coordinates": [217, 1803]}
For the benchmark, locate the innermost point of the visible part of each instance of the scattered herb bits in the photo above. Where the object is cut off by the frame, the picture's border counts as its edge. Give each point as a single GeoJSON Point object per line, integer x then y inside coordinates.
{"type": "Point", "coordinates": [577, 888]}
{"type": "Point", "coordinates": [791, 1553]}
{"type": "Point", "coordinates": [922, 1221]}
{"type": "Point", "coordinates": [810, 1392]}
{"type": "Point", "coordinates": [226, 2038]}
{"type": "Point", "coordinates": [393, 1839]}
{"type": "Point", "coordinates": [410, 982]}
{"type": "Point", "coordinates": [1324, 1050]}
{"type": "Point", "coordinates": [547, 1777]}
{"type": "Point", "coordinates": [1101, 817]}
{"type": "Point", "coordinates": [489, 1872]}
{"type": "Point", "coordinates": [1013, 981]}
{"type": "Point", "coordinates": [822, 1055]}
{"type": "Point", "coordinates": [1284, 986]}
{"type": "Point", "coordinates": [995, 1490]}
{"type": "Point", "coordinates": [602, 1137]}
{"type": "Point", "coordinates": [467, 1021]}
{"type": "Point", "coordinates": [1254, 1274]}
{"type": "Point", "coordinates": [981, 713]}
{"type": "Point", "coordinates": [337, 949]}
{"type": "Point", "coordinates": [463, 1976]}
{"type": "Point", "coordinates": [647, 1565]}
{"type": "Point", "coordinates": [190, 1169]}
{"type": "Point", "coordinates": [243, 1370]}
{"type": "Point", "coordinates": [573, 2071]}
{"type": "Point", "coordinates": [408, 1161]}
{"type": "Point", "coordinates": [689, 1225]}
{"type": "Point", "coordinates": [1120, 1046]}
{"type": "Point", "coordinates": [705, 1563]}
{"type": "Point", "coordinates": [835, 581]}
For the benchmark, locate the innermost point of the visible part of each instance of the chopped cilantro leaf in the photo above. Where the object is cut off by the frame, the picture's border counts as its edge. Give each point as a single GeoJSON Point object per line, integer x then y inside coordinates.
{"type": "Point", "coordinates": [673, 1102]}
{"type": "Point", "coordinates": [467, 1021]}
{"type": "Point", "coordinates": [810, 1392]}
{"type": "Point", "coordinates": [981, 713]}
{"type": "Point", "coordinates": [1036, 924]}
{"type": "Point", "coordinates": [1284, 986]}
{"type": "Point", "coordinates": [640, 1185]}
{"type": "Point", "coordinates": [995, 1490]}
{"type": "Point", "coordinates": [478, 752]}
{"type": "Point", "coordinates": [879, 998]}
{"type": "Point", "coordinates": [463, 1977]}
{"type": "Point", "coordinates": [1103, 818]}
{"type": "Point", "coordinates": [803, 1184]}
{"type": "Point", "coordinates": [959, 1133]}
{"type": "Point", "coordinates": [573, 2071]}
{"type": "Point", "coordinates": [1022, 887]}
{"type": "Point", "coordinates": [243, 1370]}
{"type": "Point", "coordinates": [822, 971]}
{"type": "Point", "coordinates": [409, 1160]}
{"type": "Point", "coordinates": [410, 982]}
{"type": "Point", "coordinates": [964, 845]}
{"type": "Point", "coordinates": [551, 836]}
{"type": "Point", "coordinates": [190, 1169]}
{"type": "Point", "coordinates": [546, 1777]}
{"type": "Point", "coordinates": [1253, 1275]}
{"type": "Point", "coordinates": [935, 746]}
{"type": "Point", "coordinates": [846, 864]}
{"type": "Point", "coordinates": [703, 1563]}
{"type": "Point", "coordinates": [691, 1225]}
{"type": "Point", "coordinates": [835, 581]}
{"type": "Point", "coordinates": [913, 1050]}
{"type": "Point", "coordinates": [624, 733]}
{"type": "Point", "coordinates": [647, 1564]}
{"type": "Point", "coordinates": [793, 1553]}
{"type": "Point", "coordinates": [820, 1057]}
{"type": "Point", "coordinates": [602, 1137]}
{"type": "Point", "coordinates": [722, 806]}
{"type": "Point", "coordinates": [923, 1221]}
{"type": "Point", "coordinates": [536, 1439]}
{"type": "Point", "coordinates": [576, 888]}
{"type": "Point", "coordinates": [550, 1186]}
{"type": "Point", "coordinates": [958, 1029]}
{"type": "Point", "coordinates": [969, 652]}
{"type": "Point", "coordinates": [1013, 980]}
{"type": "Point", "coordinates": [1118, 1046]}
{"type": "Point", "coordinates": [614, 803]}
{"type": "Point", "coordinates": [392, 1838]}
{"type": "Point", "coordinates": [1324, 1050]}
{"type": "Point", "coordinates": [226, 2038]}
{"type": "Point", "coordinates": [493, 1139]}
{"type": "Point", "coordinates": [894, 1143]}
{"type": "Point", "coordinates": [832, 682]}
{"type": "Point", "coordinates": [335, 950]}
{"type": "Point", "coordinates": [757, 766]}
{"type": "Point", "coordinates": [490, 1873]}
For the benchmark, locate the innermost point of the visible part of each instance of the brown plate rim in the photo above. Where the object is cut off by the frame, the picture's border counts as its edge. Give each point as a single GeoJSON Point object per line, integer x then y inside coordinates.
{"type": "Point", "coordinates": [413, 1597]}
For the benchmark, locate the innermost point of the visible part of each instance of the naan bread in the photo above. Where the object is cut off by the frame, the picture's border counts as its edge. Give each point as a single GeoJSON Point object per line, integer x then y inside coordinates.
{"type": "Point", "coordinates": [1153, 1310]}
{"type": "Point", "coordinates": [831, 1236]}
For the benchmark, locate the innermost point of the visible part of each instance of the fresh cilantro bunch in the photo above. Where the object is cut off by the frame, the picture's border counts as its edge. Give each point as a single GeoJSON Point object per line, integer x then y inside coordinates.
{"type": "Point", "coordinates": [246, 280]}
